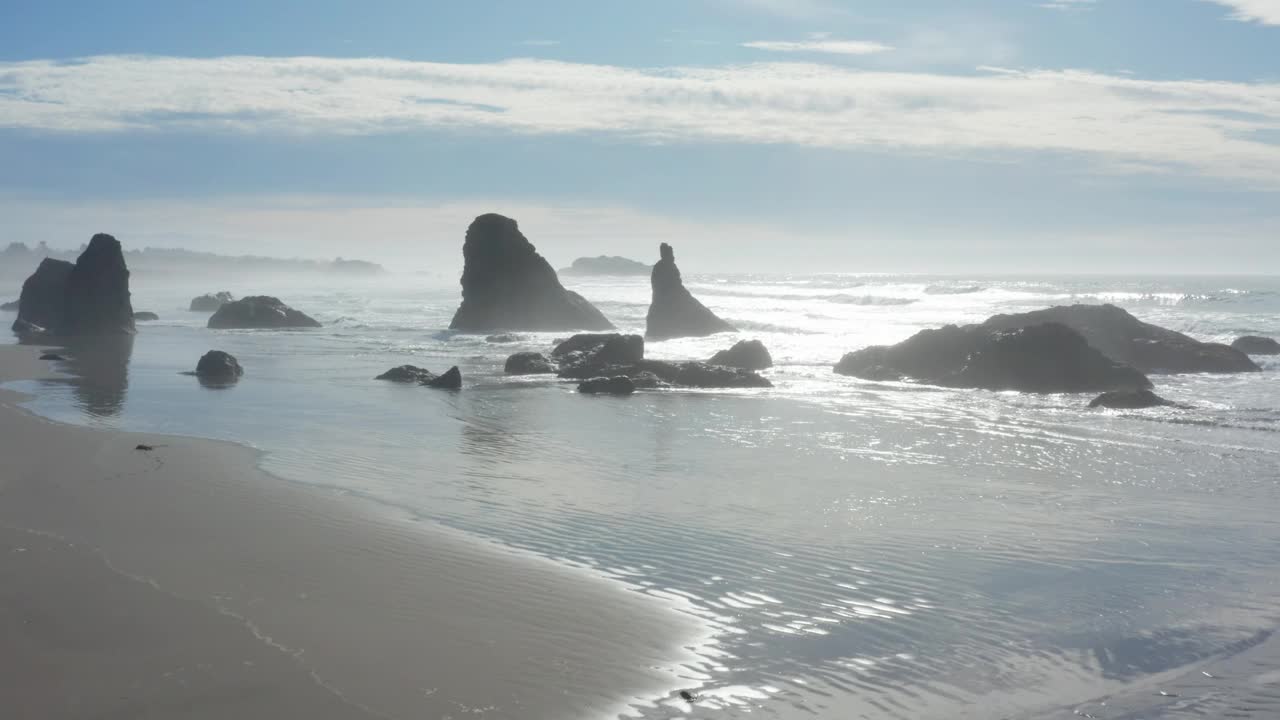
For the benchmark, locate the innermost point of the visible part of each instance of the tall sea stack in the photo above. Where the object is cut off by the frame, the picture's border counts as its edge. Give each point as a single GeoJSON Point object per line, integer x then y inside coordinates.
{"type": "Point", "coordinates": [90, 297]}
{"type": "Point", "coordinates": [507, 285]}
{"type": "Point", "coordinates": [674, 311]}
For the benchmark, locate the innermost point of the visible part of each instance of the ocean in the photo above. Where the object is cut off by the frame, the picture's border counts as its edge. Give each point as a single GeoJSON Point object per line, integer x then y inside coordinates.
{"type": "Point", "coordinates": [855, 549]}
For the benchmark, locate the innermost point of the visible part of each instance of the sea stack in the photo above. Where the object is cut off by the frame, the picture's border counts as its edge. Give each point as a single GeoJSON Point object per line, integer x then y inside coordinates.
{"type": "Point", "coordinates": [674, 312]}
{"type": "Point", "coordinates": [90, 297]}
{"type": "Point", "coordinates": [507, 285]}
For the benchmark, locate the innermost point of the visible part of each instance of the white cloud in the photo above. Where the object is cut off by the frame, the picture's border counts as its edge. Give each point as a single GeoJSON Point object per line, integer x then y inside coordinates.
{"type": "Point", "coordinates": [1068, 5]}
{"type": "Point", "coordinates": [831, 47]}
{"type": "Point", "coordinates": [1266, 12]}
{"type": "Point", "coordinates": [1214, 128]}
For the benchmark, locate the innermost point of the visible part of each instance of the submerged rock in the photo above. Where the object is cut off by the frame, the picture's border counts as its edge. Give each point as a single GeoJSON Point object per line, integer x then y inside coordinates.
{"type": "Point", "coordinates": [407, 374]}
{"type": "Point", "coordinates": [1256, 345]}
{"type": "Point", "coordinates": [502, 338]}
{"type": "Point", "coordinates": [507, 285]}
{"type": "Point", "coordinates": [606, 265]}
{"type": "Point", "coordinates": [617, 385]}
{"type": "Point", "coordinates": [1129, 400]}
{"type": "Point", "coordinates": [145, 316]}
{"type": "Point", "coordinates": [674, 312]}
{"type": "Point", "coordinates": [660, 373]}
{"type": "Point", "coordinates": [1126, 339]}
{"type": "Point", "coordinates": [259, 311]}
{"type": "Point", "coordinates": [528, 363]}
{"type": "Point", "coordinates": [1046, 358]}
{"type": "Point", "coordinates": [51, 356]}
{"type": "Point", "coordinates": [218, 365]}
{"type": "Point", "coordinates": [97, 297]}
{"type": "Point", "coordinates": [43, 303]}
{"type": "Point", "coordinates": [745, 354]}
{"type": "Point", "coordinates": [450, 380]}
{"type": "Point", "coordinates": [210, 303]}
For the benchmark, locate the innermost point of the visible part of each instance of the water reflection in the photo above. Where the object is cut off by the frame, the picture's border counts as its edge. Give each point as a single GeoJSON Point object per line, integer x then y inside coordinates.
{"type": "Point", "coordinates": [100, 366]}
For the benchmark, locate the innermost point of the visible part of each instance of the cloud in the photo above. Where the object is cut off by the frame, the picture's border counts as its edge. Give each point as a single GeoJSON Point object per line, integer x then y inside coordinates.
{"type": "Point", "coordinates": [1214, 128]}
{"type": "Point", "coordinates": [790, 9]}
{"type": "Point", "coordinates": [832, 47]}
{"type": "Point", "coordinates": [1266, 12]}
{"type": "Point", "coordinates": [1068, 5]}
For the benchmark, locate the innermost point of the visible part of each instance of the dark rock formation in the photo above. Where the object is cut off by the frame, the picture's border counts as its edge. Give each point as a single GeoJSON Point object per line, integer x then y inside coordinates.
{"type": "Point", "coordinates": [528, 363]}
{"type": "Point", "coordinates": [218, 365]}
{"type": "Point", "coordinates": [97, 294]}
{"type": "Point", "coordinates": [1255, 345]}
{"type": "Point", "coordinates": [29, 332]}
{"type": "Point", "coordinates": [145, 316]}
{"type": "Point", "coordinates": [259, 311]}
{"type": "Point", "coordinates": [43, 303]}
{"type": "Point", "coordinates": [600, 349]}
{"type": "Point", "coordinates": [606, 265]}
{"type": "Point", "coordinates": [658, 373]}
{"type": "Point", "coordinates": [1126, 339]}
{"type": "Point", "coordinates": [450, 380]}
{"type": "Point", "coordinates": [618, 385]}
{"type": "Point", "coordinates": [51, 356]}
{"type": "Point", "coordinates": [9, 307]}
{"type": "Point", "coordinates": [210, 303]}
{"type": "Point", "coordinates": [408, 373]}
{"type": "Point", "coordinates": [1129, 400]}
{"type": "Point", "coordinates": [507, 285]}
{"type": "Point", "coordinates": [1046, 358]}
{"type": "Point", "coordinates": [745, 354]}
{"type": "Point", "coordinates": [502, 339]}
{"type": "Point", "coordinates": [674, 312]}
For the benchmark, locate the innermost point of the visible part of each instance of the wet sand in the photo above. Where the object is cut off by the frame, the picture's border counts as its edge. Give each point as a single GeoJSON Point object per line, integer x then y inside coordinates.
{"type": "Point", "coordinates": [186, 583]}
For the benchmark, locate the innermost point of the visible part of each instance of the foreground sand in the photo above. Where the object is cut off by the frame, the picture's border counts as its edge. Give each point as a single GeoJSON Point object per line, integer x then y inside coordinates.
{"type": "Point", "coordinates": [186, 583]}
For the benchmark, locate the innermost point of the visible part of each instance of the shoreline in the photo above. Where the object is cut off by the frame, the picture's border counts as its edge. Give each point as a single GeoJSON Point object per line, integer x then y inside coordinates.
{"type": "Point", "coordinates": [187, 581]}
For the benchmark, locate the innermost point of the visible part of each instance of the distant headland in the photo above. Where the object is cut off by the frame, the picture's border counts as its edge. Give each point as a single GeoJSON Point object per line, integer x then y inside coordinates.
{"type": "Point", "coordinates": [18, 258]}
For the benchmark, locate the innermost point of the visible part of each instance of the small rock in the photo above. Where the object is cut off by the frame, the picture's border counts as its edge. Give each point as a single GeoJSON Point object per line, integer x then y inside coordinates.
{"type": "Point", "coordinates": [260, 311]}
{"type": "Point", "coordinates": [407, 374]}
{"type": "Point", "coordinates": [618, 385]}
{"type": "Point", "coordinates": [210, 303]}
{"type": "Point", "coordinates": [218, 365]}
{"type": "Point", "coordinates": [502, 339]}
{"type": "Point", "coordinates": [528, 363]}
{"type": "Point", "coordinates": [1256, 345]}
{"type": "Point", "coordinates": [1129, 400]}
{"type": "Point", "coordinates": [51, 356]}
{"type": "Point", "coordinates": [144, 315]}
{"type": "Point", "coordinates": [746, 354]}
{"type": "Point", "coordinates": [451, 380]}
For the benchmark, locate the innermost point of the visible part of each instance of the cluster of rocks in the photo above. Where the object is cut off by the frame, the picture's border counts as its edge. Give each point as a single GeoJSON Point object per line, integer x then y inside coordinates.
{"type": "Point", "coordinates": [89, 297]}
{"type": "Point", "coordinates": [615, 363]}
{"type": "Point", "coordinates": [450, 380]}
{"type": "Point", "coordinates": [210, 302]}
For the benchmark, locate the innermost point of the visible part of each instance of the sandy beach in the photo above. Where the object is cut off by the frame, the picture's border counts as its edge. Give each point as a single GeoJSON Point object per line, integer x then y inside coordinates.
{"type": "Point", "coordinates": [184, 582]}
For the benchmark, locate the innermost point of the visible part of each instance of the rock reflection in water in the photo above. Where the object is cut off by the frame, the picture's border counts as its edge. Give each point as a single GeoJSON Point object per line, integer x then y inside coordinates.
{"type": "Point", "coordinates": [100, 369]}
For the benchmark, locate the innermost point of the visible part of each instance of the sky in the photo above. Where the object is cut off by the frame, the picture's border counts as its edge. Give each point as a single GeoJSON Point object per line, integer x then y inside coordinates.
{"type": "Point", "coordinates": [753, 135]}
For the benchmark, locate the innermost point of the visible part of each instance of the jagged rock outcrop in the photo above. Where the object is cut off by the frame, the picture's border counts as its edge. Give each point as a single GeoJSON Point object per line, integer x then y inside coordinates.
{"type": "Point", "coordinates": [1129, 400]}
{"type": "Point", "coordinates": [90, 297]}
{"type": "Point", "coordinates": [745, 354]}
{"type": "Point", "coordinates": [1045, 358]}
{"type": "Point", "coordinates": [507, 285]}
{"type": "Point", "coordinates": [98, 301]}
{"type": "Point", "coordinates": [606, 265]}
{"type": "Point", "coordinates": [450, 380]}
{"type": "Point", "coordinates": [599, 349]}
{"type": "Point", "coordinates": [408, 374]}
{"type": "Point", "coordinates": [587, 356]}
{"type": "Point", "coordinates": [618, 385]}
{"type": "Point", "coordinates": [43, 303]}
{"type": "Point", "coordinates": [1126, 339]}
{"type": "Point", "coordinates": [1256, 345]}
{"type": "Point", "coordinates": [674, 312]}
{"type": "Point", "coordinates": [528, 363]}
{"type": "Point", "coordinates": [259, 311]}
{"type": "Point", "coordinates": [210, 303]}
{"type": "Point", "coordinates": [9, 307]}
{"type": "Point", "coordinates": [144, 316]}
{"type": "Point", "coordinates": [218, 365]}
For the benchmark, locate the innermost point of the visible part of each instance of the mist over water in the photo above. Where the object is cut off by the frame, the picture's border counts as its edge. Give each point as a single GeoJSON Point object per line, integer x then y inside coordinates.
{"type": "Point", "coordinates": [862, 549]}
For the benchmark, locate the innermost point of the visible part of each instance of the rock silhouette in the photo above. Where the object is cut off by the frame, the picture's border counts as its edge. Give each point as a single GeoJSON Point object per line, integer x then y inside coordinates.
{"type": "Point", "coordinates": [408, 374]}
{"type": "Point", "coordinates": [218, 365]}
{"type": "Point", "coordinates": [528, 363]}
{"type": "Point", "coordinates": [606, 265]}
{"type": "Point", "coordinates": [1126, 339]}
{"type": "Point", "coordinates": [618, 385]}
{"type": "Point", "coordinates": [1255, 345]}
{"type": "Point", "coordinates": [210, 303]}
{"type": "Point", "coordinates": [507, 285]}
{"type": "Point", "coordinates": [450, 380]}
{"type": "Point", "coordinates": [674, 312]}
{"type": "Point", "coordinates": [1129, 400]}
{"type": "Point", "coordinates": [745, 354]}
{"type": "Point", "coordinates": [259, 311]}
{"type": "Point", "coordinates": [9, 307]}
{"type": "Point", "coordinates": [588, 356]}
{"type": "Point", "coordinates": [145, 316]}
{"type": "Point", "coordinates": [1045, 358]}
{"type": "Point", "coordinates": [89, 297]}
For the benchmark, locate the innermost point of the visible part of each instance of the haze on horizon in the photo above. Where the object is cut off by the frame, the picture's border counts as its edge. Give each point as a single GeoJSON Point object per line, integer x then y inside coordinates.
{"type": "Point", "coordinates": [991, 136]}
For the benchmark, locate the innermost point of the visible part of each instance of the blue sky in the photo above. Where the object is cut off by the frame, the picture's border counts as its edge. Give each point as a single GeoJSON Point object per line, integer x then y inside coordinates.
{"type": "Point", "coordinates": [1037, 135]}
